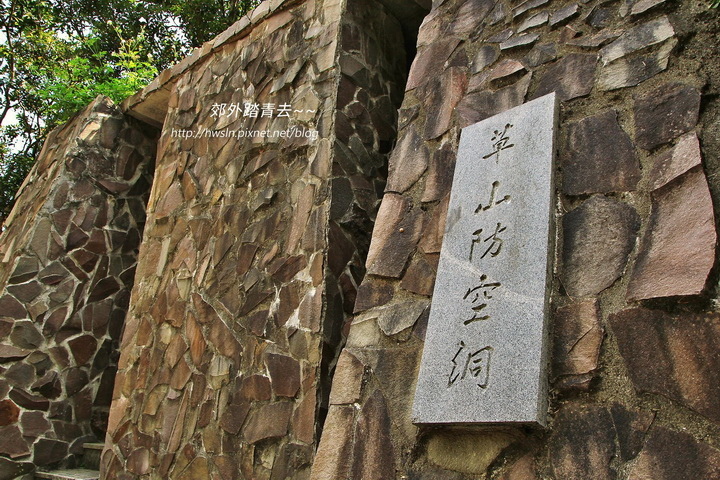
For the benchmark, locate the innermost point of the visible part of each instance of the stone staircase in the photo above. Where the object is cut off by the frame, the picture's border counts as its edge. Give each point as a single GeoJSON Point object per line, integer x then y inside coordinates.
{"type": "Point", "coordinates": [89, 471]}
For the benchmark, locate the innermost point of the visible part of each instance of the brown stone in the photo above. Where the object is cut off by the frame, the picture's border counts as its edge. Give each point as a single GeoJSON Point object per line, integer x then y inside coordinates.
{"type": "Point", "coordinates": [269, 421]}
{"type": "Point", "coordinates": [103, 289]}
{"type": "Point", "coordinates": [48, 452]}
{"type": "Point", "coordinates": [598, 237]}
{"type": "Point", "coordinates": [9, 352]}
{"type": "Point", "coordinates": [83, 348]}
{"type": "Point", "coordinates": [598, 157]}
{"type": "Point", "coordinates": [523, 469]}
{"type": "Point", "coordinates": [25, 269]}
{"type": "Point", "coordinates": [478, 106]}
{"type": "Point", "coordinates": [334, 456]}
{"type": "Point", "coordinates": [440, 173]}
{"type": "Point", "coordinates": [408, 161]}
{"type": "Point", "coordinates": [420, 277]}
{"type": "Point", "coordinates": [372, 292]}
{"type": "Point", "coordinates": [396, 232]}
{"type": "Point", "coordinates": [284, 374]}
{"type": "Point", "coordinates": [12, 443]}
{"type": "Point", "coordinates": [255, 387]}
{"type": "Point", "coordinates": [666, 113]}
{"type": "Point", "coordinates": [9, 413]}
{"type": "Point", "coordinates": [670, 455]}
{"type": "Point", "coordinates": [582, 443]}
{"type": "Point", "coordinates": [572, 76]}
{"type": "Point", "coordinates": [34, 424]}
{"type": "Point", "coordinates": [347, 380]}
{"type": "Point", "coordinates": [662, 350]}
{"type": "Point", "coordinates": [10, 307]}
{"type": "Point", "coordinates": [10, 469]}
{"type": "Point", "coordinates": [672, 163]}
{"type": "Point", "coordinates": [138, 462]}
{"type": "Point", "coordinates": [234, 417]}
{"type": "Point", "coordinates": [442, 96]}
{"type": "Point", "coordinates": [26, 335]}
{"type": "Point", "coordinates": [577, 338]}
{"type": "Point", "coordinates": [401, 315]}
{"type": "Point", "coordinates": [678, 249]}
{"type": "Point", "coordinates": [303, 419]}
{"type": "Point", "coordinates": [373, 452]}
{"type": "Point", "coordinates": [429, 60]}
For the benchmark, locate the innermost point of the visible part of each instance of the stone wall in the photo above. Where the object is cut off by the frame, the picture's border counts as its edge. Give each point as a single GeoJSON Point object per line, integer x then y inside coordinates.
{"type": "Point", "coordinates": [68, 262]}
{"type": "Point", "coordinates": [634, 390]}
{"type": "Point", "coordinates": [254, 246]}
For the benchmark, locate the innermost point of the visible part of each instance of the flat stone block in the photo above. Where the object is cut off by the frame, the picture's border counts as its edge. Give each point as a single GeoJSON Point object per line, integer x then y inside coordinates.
{"type": "Point", "coordinates": [485, 351]}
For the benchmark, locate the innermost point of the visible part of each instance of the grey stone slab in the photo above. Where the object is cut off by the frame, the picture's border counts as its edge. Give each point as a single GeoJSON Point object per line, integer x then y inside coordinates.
{"type": "Point", "coordinates": [485, 354]}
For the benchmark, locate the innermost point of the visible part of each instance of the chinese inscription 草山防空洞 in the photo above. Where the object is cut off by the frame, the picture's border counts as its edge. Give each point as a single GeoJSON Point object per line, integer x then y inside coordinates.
{"type": "Point", "coordinates": [484, 355]}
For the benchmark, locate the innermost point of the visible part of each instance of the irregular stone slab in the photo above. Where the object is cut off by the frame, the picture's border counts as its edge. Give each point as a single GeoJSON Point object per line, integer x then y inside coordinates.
{"type": "Point", "coordinates": [481, 105]}
{"type": "Point", "coordinates": [284, 373]}
{"type": "Point", "coordinates": [643, 6]}
{"type": "Point", "coordinates": [582, 443]}
{"type": "Point", "coordinates": [429, 60]}
{"type": "Point", "coordinates": [637, 38]}
{"type": "Point", "coordinates": [671, 164]}
{"type": "Point", "coordinates": [678, 249]}
{"type": "Point", "coordinates": [598, 237]}
{"type": "Point", "coordinates": [578, 336]}
{"type": "Point", "coordinates": [491, 281]}
{"type": "Point", "coordinates": [467, 452]}
{"type": "Point", "coordinates": [396, 232]}
{"type": "Point", "coordinates": [408, 162]}
{"type": "Point", "coordinates": [669, 455]}
{"type": "Point", "coordinates": [572, 76]}
{"type": "Point", "coordinates": [444, 95]}
{"type": "Point", "coordinates": [519, 41]}
{"type": "Point", "coordinates": [527, 6]}
{"type": "Point", "coordinates": [661, 352]}
{"type": "Point", "coordinates": [534, 21]}
{"type": "Point", "coordinates": [10, 469]}
{"type": "Point", "coordinates": [12, 443]}
{"type": "Point", "coordinates": [334, 453]}
{"type": "Point", "coordinates": [374, 454]}
{"type": "Point", "coordinates": [347, 380]}
{"type": "Point", "coordinates": [399, 316]}
{"type": "Point", "coordinates": [598, 157]}
{"type": "Point", "coordinates": [541, 54]}
{"type": "Point", "coordinates": [269, 421]}
{"type": "Point", "coordinates": [628, 72]}
{"type": "Point", "coordinates": [669, 111]}
{"type": "Point", "coordinates": [564, 14]}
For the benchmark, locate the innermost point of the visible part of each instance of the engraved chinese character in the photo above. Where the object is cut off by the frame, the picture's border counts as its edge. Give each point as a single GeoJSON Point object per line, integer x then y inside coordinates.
{"type": "Point", "coordinates": [496, 242]}
{"type": "Point", "coordinates": [267, 110]}
{"type": "Point", "coordinates": [284, 110]}
{"type": "Point", "coordinates": [478, 297]}
{"type": "Point", "coordinates": [493, 199]}
{"type": "Point", "coordinates": [251, 110]}
{"type": "Point", "coordinates": [217, 109]}
{"type": "Point", "coordinates": [500, 140]}
{"type": "Point", "coordinates": [473, 364]}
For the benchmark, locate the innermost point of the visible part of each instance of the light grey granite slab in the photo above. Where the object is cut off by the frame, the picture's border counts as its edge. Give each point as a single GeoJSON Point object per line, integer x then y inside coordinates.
{"type": "Point", "coordinates": [485, 354]}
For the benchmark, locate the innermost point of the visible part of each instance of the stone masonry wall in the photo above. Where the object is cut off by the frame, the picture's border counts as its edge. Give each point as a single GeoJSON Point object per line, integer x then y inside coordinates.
{"type": "Point", "coordinates": [254, 247]}
{"type": "Point", "coordinates": [67, 265]}
{"type": "Point", "coordinates": [635, 326]}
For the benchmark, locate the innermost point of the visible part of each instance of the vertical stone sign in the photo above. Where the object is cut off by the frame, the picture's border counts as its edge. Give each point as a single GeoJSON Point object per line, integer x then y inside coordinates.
{"type": "Point", "coordinates": [485, 351]}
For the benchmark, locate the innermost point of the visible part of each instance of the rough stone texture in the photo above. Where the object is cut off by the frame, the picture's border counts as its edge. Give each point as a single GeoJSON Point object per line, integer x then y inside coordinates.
{"type": "Point", "coordinates": [669, 111]}
{"type": "Point", "coordinates": [598, 157]}
{"type": "Point", "coordinates": [678, 249]}
{"type": "Point", "coordinates": [255, 247]}
{"type": "Point", "coordinates": [662, 353]}
{"type": "Point", "coordinates": [68, 254]}
{"type": "Point", "coordinates": [586, 437]}
{"type": "Point", "coordinates": [577, 341]}
{"type": "Point", "coordinates": [598, 237]}
{"type": "Point", "coordinates": [467, 453]}
{"type": "Point", "coordinates": [666, 453]}
{"type": "Point", "coordinates": [572, 76]}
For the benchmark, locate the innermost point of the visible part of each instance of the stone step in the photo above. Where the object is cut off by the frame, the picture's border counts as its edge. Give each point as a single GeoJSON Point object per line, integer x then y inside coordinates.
{"type": "Point", "coordinates": [70, 474]}
{"type": "Point", "coordinates": [91, 458]}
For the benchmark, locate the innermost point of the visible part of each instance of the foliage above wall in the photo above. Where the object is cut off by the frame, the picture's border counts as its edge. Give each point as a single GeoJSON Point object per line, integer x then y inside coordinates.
{"type": "Point", "coordinates": [57, 55]}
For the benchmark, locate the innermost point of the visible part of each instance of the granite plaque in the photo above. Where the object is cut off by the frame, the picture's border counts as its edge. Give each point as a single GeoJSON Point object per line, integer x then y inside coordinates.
{"type": "Point", "coordinates": [485, 355]}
